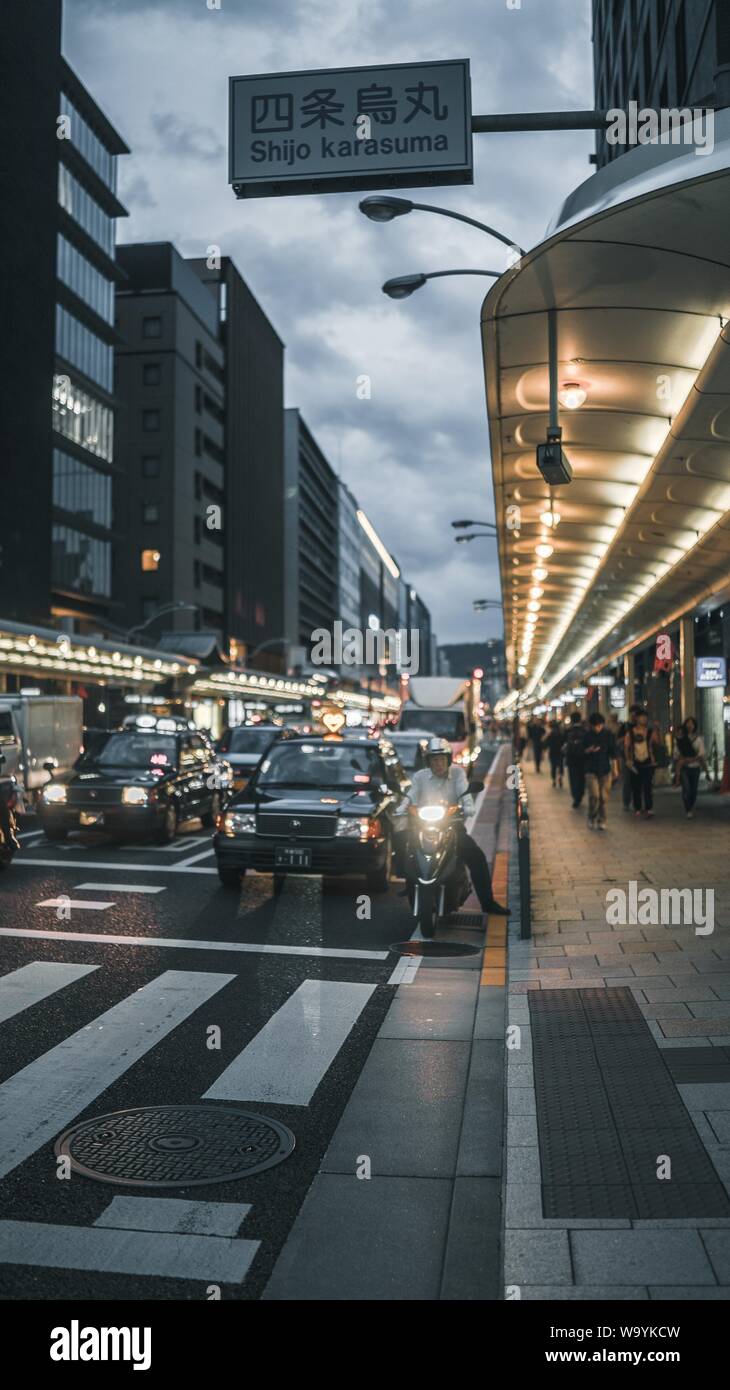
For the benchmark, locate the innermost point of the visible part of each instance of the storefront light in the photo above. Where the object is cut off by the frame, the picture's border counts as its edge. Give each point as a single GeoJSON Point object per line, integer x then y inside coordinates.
{"type": "Point", "coordinates": [544, 550]}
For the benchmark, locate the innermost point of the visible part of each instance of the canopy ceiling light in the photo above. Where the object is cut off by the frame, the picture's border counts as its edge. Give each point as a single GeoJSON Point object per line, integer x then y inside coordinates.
{"type": "Point", "coordinates": [572, 395]}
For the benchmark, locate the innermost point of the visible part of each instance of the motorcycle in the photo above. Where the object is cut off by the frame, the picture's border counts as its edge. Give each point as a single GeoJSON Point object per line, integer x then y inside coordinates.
{"type": "Point", "coordinates": [8, 824]}
{"type": "Point", "coordinates": [436, 879]}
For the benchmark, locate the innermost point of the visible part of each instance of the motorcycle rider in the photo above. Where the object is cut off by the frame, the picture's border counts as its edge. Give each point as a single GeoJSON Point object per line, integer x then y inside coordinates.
{"type": "Point", "coordinates": [442, 783]}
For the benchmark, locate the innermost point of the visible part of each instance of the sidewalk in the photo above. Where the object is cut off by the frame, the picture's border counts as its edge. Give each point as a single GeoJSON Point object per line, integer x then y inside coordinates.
{"type": "Point", "coordinates": [427, 1114]}
{"type": "Point", "coordinates": [618, 1097]}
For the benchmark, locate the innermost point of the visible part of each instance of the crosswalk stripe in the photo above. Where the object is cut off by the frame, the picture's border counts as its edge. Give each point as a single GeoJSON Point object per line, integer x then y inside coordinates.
{"type": "Point", "coordinates": [87, 903]}
{"type": "Point", "coordinates": [204, 854]}
{"type": "Point", "coordinates": [174, 1215]}
{"type": "Point", "coordinates": [118, 888]}
{"type": "Point", "coordinates": [182, 943]}
{"type": "Point", "coordinates": [49, 1093]}
{"type": "Point", "coordinates": [288, 1058]}
{"type": "Point", "coordinates": [30, 983]}
{"type": "Point", "coordinates": [107, 864]}
{"type": "Point", "coordinates": [161, 1254]}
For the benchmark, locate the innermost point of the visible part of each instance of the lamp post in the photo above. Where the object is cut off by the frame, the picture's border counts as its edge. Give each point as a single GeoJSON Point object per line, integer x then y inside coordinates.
{"type": "Point", "coordinates": [491, 525]}
{"type": "Point", "coordinates": [476, 536]}
{"type": "Point", "coordinates": [383, 208]}
{"type": "Point", "coordinates": [160, 612]}
{"type": "Point", "coordinates": [405, 285]}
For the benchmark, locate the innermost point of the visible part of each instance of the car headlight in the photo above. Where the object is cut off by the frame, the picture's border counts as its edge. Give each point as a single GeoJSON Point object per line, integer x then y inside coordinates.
{"type": "Point", "coordinates": [354, 828]}
{"type": "Point", "coordinates": [238, 823]}
{"type": "Point", "coordinates": [134, 796]}
{"type": "Point", "coordinates": [431, 814]}
{"type": "Point", "coordinates": [55, 793]}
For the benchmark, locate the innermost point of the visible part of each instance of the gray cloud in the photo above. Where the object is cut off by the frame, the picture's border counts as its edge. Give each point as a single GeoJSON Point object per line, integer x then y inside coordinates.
{"type": "Point", "coordinates": [417, 453]}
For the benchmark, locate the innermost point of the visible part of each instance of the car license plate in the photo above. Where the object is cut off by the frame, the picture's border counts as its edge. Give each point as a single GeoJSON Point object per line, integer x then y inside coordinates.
{"type": "Point", "coordinates": [91, 818]}
{"type": "Point", "coordinates": [290, 857]}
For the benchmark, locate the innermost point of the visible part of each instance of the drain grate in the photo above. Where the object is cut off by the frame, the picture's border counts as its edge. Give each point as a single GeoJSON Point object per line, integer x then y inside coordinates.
{"type": "Point", "coordinates": [464, 919]}
{"type": "Point", "coordinates": [175, 1145]}
{"type": "Point", "coordinates": [434, 948]}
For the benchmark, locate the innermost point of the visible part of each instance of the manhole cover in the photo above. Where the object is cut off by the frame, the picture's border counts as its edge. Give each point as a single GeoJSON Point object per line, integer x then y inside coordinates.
{"type": "Point", "coordinates": [175, 1145]}
{"type": "Point", "coordinates": [434, 948]}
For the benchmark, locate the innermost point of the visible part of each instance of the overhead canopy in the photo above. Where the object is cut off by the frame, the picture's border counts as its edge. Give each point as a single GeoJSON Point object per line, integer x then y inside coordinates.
{"type": "Point", "coordinates": [638, 267]}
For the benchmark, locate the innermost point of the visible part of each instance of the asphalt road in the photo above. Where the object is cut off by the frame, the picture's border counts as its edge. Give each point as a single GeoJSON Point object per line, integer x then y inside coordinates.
{"type": "Point", "coordinates": [152, 1007]}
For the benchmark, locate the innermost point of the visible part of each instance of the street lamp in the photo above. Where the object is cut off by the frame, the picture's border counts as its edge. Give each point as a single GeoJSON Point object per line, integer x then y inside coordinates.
{"type": "Point", "coordinates": [491, 524]}
{"type": "Point", "coordinates": [476, 536]}
{"type": "Point", "coordinates": [481, 603]}
{"type": "Point", "coordinates": [383, 208]}
{"type": "Point", "coordinates": [404, 285]}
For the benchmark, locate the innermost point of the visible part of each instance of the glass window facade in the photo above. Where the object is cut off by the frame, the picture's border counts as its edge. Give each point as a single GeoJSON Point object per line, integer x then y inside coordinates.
{"type": "Point", "coordinates": [80, 563]}
{"type": "Point", "coordinates": [77, 416]}
{"type": "Point", "coordinates": [82, 490]}
{"type": "Point", "coordinates": [82, 348]}
{"type": "Point", "coordinates": [80, 205]}
{"type": "Point", "coordinates": [89, 145]}
{"type": "Point", "coordinates": [85, 281]}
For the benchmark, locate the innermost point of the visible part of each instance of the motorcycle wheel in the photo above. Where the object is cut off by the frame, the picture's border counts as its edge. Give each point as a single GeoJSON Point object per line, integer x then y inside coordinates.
{"type": "Point", "coordinates": [427, 913]}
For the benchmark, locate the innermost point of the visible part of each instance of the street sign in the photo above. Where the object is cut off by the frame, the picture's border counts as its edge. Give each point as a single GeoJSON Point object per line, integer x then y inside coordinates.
{"type": "Point", "coordinates": [404, 125]}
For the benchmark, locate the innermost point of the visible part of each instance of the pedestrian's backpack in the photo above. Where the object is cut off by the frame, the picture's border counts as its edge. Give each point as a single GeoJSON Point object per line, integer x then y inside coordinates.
{"type": "Point", "coordinates": [574, 742]}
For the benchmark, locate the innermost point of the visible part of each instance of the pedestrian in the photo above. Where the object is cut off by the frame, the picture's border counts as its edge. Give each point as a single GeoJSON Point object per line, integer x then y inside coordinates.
{"type": "Point", "coordinates": [536, 730]}
{"type": "Point", "coordinates": [627, 791]}
{"type": "Point", "coordinates": [520, 737]}
{"type": "Point", "coordinates": [574, 753]}
{"type": "Point", "coordinates": [600, 767]}
{"type": "Point", "coordinates": [689, 752]}
{"type": "Point", "coordinates": [554, 740]}
{"type": "Point", "coordinates": [640, 746]}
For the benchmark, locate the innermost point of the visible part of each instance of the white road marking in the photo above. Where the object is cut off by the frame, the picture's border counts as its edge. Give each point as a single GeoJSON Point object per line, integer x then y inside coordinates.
{"type": "Point", "coordinates": [406, 970]}
{"type": "Point", "coordinates": [203, 1258]}
{"type": "Point", "coordinates": [286, 1061]}
{"type": "Point", "coordinates": [174, 1215]}
{"type": "Point", "coordinates": [183, 863]}
{"type": "Point", "coordinates": [119, 887]}
{"type": "Point", "coordinates": [75, 903]}
{"type": "Point", "coordinates": [31, 835]}
{"type": "Point", "coordinates": [184, 945]}
{"type": "Point", "coordinates": [134, 868]}
{"type": "Point", "coordinates": [30, 983]}
{"type": "Point", "coordinates": [50, 1092]}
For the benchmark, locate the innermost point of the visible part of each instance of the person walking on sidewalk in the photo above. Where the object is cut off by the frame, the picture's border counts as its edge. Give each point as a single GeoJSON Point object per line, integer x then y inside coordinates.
{"type": "Point", "coordinates": [536, 730]}
{"type": "Point", "coordinates": [640, 746]}
{"type": "Point", "coordinates": [553, 741]}
{"type": "Point", "coordinates": [689, 751]}
{"type": "Point", "coordinates": [575, 758]}
{"type": "Point", "coordinates": [627, 790]}
{"type": "Point", "coordinates": [601, 766]}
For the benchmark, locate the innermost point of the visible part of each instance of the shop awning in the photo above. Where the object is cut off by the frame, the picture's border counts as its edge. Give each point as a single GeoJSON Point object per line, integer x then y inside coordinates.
{"type": "Point", "coordinates": [637, 265]}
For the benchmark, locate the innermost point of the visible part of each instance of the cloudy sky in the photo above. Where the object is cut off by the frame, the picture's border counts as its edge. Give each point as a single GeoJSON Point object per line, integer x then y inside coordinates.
{"type": "Point", "coordinates": [416, 454]}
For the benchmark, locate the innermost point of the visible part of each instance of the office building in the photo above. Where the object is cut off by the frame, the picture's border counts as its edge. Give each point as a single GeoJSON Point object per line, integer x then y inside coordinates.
{"type": "Point", "coordinates": [312, 536]}
{"type": "Point", "coordinates": [57, 275]}
{"type": "Point", "coordinates": [663, 54]}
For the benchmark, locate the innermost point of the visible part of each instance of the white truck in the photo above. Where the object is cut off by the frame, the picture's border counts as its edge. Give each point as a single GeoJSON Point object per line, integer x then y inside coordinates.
{"type": "Point", "coordinates": [447, 707]}
{"type": "Point", "coordinates": [35, 730]}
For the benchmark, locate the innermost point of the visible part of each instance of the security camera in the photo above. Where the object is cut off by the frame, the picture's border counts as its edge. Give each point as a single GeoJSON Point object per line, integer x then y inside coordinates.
{"type": "Point", "coordinates": [551, 459]}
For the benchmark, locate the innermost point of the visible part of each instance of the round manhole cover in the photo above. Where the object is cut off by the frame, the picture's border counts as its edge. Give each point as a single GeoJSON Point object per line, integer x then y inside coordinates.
{"type": "Point", "coordinates": [175, 1145]}
{"type": "Point", "coordinates": [434, 948]}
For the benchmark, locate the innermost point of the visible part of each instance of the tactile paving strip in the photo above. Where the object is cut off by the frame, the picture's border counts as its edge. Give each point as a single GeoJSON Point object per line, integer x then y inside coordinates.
{"type": "Point", "coordinates": [609, 1113]}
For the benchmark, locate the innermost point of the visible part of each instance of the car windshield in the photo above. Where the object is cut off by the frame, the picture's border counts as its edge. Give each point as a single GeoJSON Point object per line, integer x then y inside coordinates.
{"type": "Point", "coordinates": [246, 740]}
{"type": "Point", "coordinates": [319, 765]}
{"type": "Point", "coordinates": [138, 750]}
{"type": "Point", "coordinates": [445, 723]}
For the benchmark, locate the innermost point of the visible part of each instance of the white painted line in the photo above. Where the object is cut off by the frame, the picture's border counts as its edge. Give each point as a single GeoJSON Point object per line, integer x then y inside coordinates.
{"type": "Point", "coordinates": [203, 1258]}
{"type": "Point", "coordinates": [286, 1061]}
{"type": "Point", "coordinates": [49, 1093]}
{"type": "Point", "coordinates": [133, 868]}
{"type": "Point", "coordinates": [406, 970]}
{"type": "Point", "coordinates": [183, 863]}
{"type": "Point", "coordinates": [30, 983]}
{"type": "Point", "coordinates": [174, 1215]}
{"type": "Point", "coordinates": [119, 887]}
{"type": "Point", "coordinates": [185, 945]}
{"type": "Point", "coordinates": [75, 903]}
{"type": "Point", "coordinates": [480, 798]}
{"type": "Point", "coordinates": [31, 835]}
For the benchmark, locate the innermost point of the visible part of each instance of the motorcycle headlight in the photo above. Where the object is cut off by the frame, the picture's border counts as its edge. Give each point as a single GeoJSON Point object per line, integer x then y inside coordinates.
{"type": "Point", "coordinates": [134, 796]}
{"type": "Point", "coordinates": [431, 814]}
{"type": "Point", "coordinates": [54, 793]}
{"type": "Point", "coordinates": [238, 823]}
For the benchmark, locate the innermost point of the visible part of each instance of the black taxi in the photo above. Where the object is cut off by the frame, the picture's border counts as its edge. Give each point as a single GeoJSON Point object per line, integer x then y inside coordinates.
{"type": "Point", "coordinates": [140, 780]}
{"type": "Point", "coordinates": [315, 805]}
